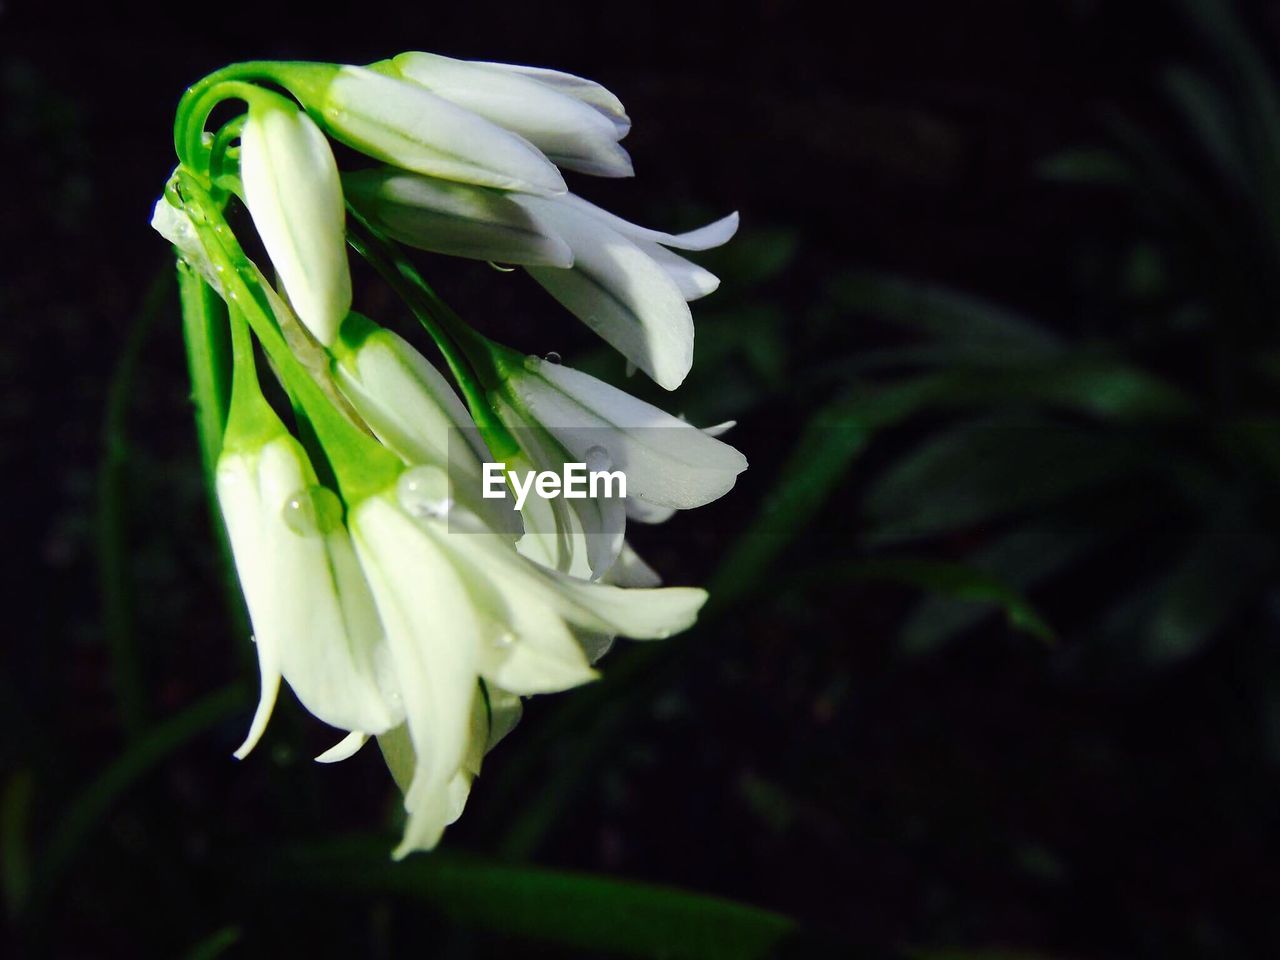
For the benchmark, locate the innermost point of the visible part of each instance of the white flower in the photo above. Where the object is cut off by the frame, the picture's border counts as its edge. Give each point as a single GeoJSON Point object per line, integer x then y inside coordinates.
{"type": "Point", "coordinates": [313, 615]}
{"type": "Point", "coordinates": [667, 461]}
{"type": "Point", "coordinates": [411, 408]}
{"type": "Point", "coordinates": [292, 189]}
{"type": "Point", "coordinates": [626, 285]}
{"type": "Point", "coordinates": [406, 125]}
{"type": "Point", "coordinates": [462, 605]}
{"type": "Point", "coordinates": [460, 220]}
{"type": "Point", "coordinates": [577, 124]}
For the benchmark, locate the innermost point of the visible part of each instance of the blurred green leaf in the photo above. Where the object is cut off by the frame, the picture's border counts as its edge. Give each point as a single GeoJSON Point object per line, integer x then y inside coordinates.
{"type": "Point", "coordinates": [1226, 563]}
{"type": "Point", "coordinates": [15, 841]}
{"type": "Point", "coordinates": [1087, 166]}
{"type": "Point", "coordinates": [946, 314]}
{"type": "Point", "coordinates": [957, 581]}
{"type": "Point", "coordinates": [569, 909]}
{"type": "Point", "coordinates": [990, 469]}
{"type": "Point", "coordinates": [215, 945]}
{"type": "Point", "coordinates": [92, 804]}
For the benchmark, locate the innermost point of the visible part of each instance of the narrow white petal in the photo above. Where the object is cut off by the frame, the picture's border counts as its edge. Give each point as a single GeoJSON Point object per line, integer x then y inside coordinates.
{"type": "Point", "coordinates": [345, 748]}
{"type": "Point", "coordinates": [694, 281]}
{"type": "Point", "coordinates": [406, 125]}
{"type": "Point", "coordinates": [713, 234]}
{"type": "Point", "coordinates": [460, 220]}
{"type": "Point", "coordinates": [588, 91]}
{"type": "Point", "coordinates": [293, 192]}
{"type": "Point", "coordinates": [620, 292]}
{"type": "Point", "coordinates": [719, 429]}
{"type": "Point", "coordinates": [667, 461]}
{"type": "Point", "coordinates": [560, 125]}
{"type": "Point", "coordinates": [643, 512]}
{"type": "Point", "coordinates": [630, 570]}
{"type": "Point", "coordinates": [311, 611]}
{"type": "Point", "coordinates": [434, 637]}
{"type": "Point", "coordinates": [270, 689]}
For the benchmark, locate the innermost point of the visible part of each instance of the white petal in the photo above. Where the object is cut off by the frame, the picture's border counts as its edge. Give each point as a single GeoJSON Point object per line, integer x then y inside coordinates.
{"type": "Point", "coordinates": [631, 570]}
{"type": "Point", "coordinates": [694, 281]}
{"type": "Point", "coordinates": [667, 462]}
{"type": "Point", "coordinates": [641, 614]}
{"type": "Point", "coordinates": [457, 219]}
{"type": "Point", "coordinates": [643, 512]}
{"type": "Point", "coordinates": [412, 409]}
{"type": "Point", "coordinates": [713, 234]}
{"type": "Point", "coordinates": [345, 748]}
{"type": "Point", "coordinates": [571, 132]}
{"type": "Point", "coordinates": [408, 126]}
{"type": "Point", "coordinates": [310, 606]}
{"type": "Point", "coordinates": [580, 537]}
{"type": "Point", "coordinates": [434, 636]}
{"type": "Point", "coordinates": [176, 227]}
{"type": "Point", "coordinates": [505, 710]}
{"type": "Point", "coordinates": [292, 190]}
{"type": "Point", "coordinates": [588, 91]}
{"type": "Point", "coordinates": [719, 429]}
{"type": "Point", "coordinates": [620, 292]}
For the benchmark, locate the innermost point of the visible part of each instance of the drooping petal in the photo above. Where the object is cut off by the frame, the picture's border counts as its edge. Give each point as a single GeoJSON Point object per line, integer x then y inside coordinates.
{"type": "Point", "coordinates": [406, 125]}
{"type": "Point", "coordinates": [694, 281]}
{"type": "Point", "coordinates": [667, 461]}
{"type": "Point", "coordinates": [714, 234]}
{"type": "Point", "coordinates": [311, 609]}
{"type": "Point", "coordinates": [620, 292]}
{"type": "Point", "coordinates": [411, 408]}
{"type": "Point", "coordinates": [434, 636]}
{"type": "Point", "coordinates": [572, 133]}
{"type": "Point", "coordinates": [457, 219]}
{"type": "Point", "coordinates": [587, 91]}
{"type": "Point", "coordinates": [293, 192]}
{"type": "Point", "coordinates": [344, 749]}
{"type": "Point", "coordinates": [577, 536]}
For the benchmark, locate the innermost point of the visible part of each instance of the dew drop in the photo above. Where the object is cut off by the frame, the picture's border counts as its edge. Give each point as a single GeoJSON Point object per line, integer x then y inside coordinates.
{"type": "Point", "coordinates": [424, 493]}
{"type": "Point", "coordinates": [504, 640]}
{"type": "Point", "coordinates": [552, 357]}
{"type": "Point", "coordinates": [501, 268]}
{"type": "Point", "coordinates": [598, 458]}
{"type": "Point", "coordinates": [315, 510]}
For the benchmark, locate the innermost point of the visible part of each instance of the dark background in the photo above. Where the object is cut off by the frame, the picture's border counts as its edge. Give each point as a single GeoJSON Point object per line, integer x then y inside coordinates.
{"type": "Point", "coordinates": [1104, 787]}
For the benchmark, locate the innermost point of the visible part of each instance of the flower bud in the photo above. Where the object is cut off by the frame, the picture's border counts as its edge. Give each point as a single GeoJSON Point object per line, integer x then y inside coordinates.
{"type": "Point", "coordinates": [293, 192]}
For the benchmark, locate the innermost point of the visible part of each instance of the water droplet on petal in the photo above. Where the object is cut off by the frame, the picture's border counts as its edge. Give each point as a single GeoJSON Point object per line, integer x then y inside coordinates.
{"type": "Point", "coordinates": [315, 510]}
{"type": "Point", "coordinates": [500, 268]}
{"type": "Point", "coordinates": [552, 357]}
{"type": "Point", "coordinates": [504, 640]}
{"type": "Point", "coordinates": [598, 458]}
{"type": "Point", "coordinates": [424, 493]}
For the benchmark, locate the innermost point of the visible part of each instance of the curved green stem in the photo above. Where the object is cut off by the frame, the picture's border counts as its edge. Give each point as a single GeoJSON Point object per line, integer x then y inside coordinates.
{"type": "Point", "coordinates": [362, 466]}
{"type": "Point", "coordinates": [469, 355]}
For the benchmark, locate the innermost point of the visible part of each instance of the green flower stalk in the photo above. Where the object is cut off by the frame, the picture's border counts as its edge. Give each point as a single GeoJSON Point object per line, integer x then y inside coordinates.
{"type": "Point", "coordinates": [397, 598]}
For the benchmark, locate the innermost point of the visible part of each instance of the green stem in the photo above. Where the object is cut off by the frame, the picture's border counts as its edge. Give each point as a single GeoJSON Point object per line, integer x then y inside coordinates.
{"type": "Point", "coordinates": [363, 467]}
{"type": "Point", "coordinates": [204, 329]}
{"type": "Point", "coordinates": [469, 355]}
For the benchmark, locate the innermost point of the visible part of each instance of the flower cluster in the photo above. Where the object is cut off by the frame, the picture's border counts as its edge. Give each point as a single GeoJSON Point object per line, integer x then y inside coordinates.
{"type": "Point", "coordinates": [396, 601]}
